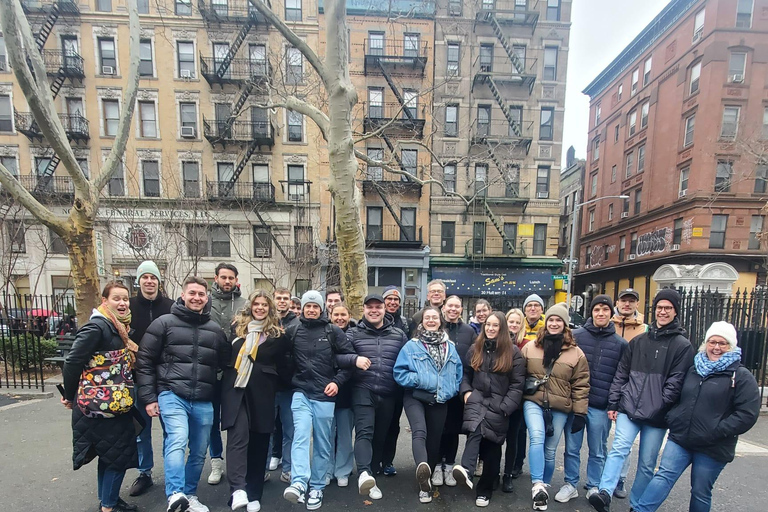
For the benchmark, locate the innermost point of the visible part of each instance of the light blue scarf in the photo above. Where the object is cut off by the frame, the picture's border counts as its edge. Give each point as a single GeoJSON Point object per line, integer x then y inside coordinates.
{"type": "Point", "coordinates": [706, 367]}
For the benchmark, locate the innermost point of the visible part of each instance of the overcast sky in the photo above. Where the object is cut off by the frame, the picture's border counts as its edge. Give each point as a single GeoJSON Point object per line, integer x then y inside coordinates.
{"type": "Point", "coordinates": [600, 30]}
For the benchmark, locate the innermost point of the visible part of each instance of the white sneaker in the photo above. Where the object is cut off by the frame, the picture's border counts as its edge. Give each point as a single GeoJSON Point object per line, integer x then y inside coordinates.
{"type": "Point", "coordinates": [285, 477]}
{"type": "Point", "coordinates": [566, 493]}
{"type": "Point", "coordinates": [462, 476]}
{"type": "Point", "coordinates": [328, 481]}
{"type": "Point", "coordinates": [425, 497]}
{"type": "Point", "coordinates": [342, 481]}
{"type": "Point", "coordinates": [295, 493]}
{"type": "Point", "coordinates": [423, 475]}
{"type": "Point", "coordinates": [482, 501]}
{"type": "Point", "coordinates": [217, 471]}
{"type": "Point", "coordinates": [178, 502]}
{"type": "Point", "coordinates": [592, 491]}
{"type": "Point", "coordinates": [253, 506]}
{"type": "Point", "coordinates": [375, 493]}
{"type": "Point", "coordinates": [540, 496]}
{"type": "Point", "coordinates": [449, 480]}
{"type": "Point", "coordinates": [273, 463]}
{"type": "Point", "coordinates": [315, 499]}
{"type": "Point", "coordinates": [196, 506]}
{"type": "Point", "coordinates": [239, 499]}
{"type": "Point", "coordinates": [437, 476]}
{"type": "Point", "coordinates": [365, 482]}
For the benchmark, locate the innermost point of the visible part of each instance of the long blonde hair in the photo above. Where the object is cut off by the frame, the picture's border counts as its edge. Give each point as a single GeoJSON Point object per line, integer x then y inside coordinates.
{"type": "Point", "coordinates": [519, 338]}
{"type": "Point", "coordinates": [271, 327]}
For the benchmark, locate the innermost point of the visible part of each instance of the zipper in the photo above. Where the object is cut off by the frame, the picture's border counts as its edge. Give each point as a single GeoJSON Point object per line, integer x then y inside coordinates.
{"type": "Point", "coordinates": [195, 348]}
{"type": "Point", "coordinates": [698, 393]}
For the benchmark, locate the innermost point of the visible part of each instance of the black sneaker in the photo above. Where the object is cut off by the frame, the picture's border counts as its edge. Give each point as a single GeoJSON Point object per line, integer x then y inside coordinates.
{"type": "Point", "coordinates": [601, 501]}
{"type": "Point", "coordinates": [140, 485]}
{"type": "Point", "coordinates": [620, 491]}
{"type": "Point", "coordinates": [506, 483]}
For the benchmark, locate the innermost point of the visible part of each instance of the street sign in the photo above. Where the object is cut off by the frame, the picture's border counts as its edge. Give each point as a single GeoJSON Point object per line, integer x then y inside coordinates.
{"type": "Point", "coordinates": [577, 301]}
{"type": "Point", "coordinates": [560, 277]}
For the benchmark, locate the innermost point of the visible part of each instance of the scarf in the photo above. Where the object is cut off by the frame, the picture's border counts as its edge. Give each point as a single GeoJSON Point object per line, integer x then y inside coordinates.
{"type": "Point", "coordinates": [552, 344]}
{"type": "Point", "coordinates": [121, 324]}
{"type": "Point", "coordinates": [706, 367]}
{"type": "Point", "coordinates": [248, 351]}
{"type": "Point", "coordinates": [434, 342]}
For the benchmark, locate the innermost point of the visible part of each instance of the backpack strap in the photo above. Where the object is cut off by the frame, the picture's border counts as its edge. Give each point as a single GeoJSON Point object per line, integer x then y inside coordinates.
{"type": "Point", "coordinates": [290, 331]}
{"type": "Point", "coordinates": [331, 335]}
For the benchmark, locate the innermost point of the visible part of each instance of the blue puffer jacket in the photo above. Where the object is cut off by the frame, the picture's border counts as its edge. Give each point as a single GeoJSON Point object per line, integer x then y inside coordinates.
{"type": "Point", "coordinates": [603, 349]}
{"type": "Point", "coordinates": [415, 369]}
{"type": "Point", "coordinates": [381, 346]}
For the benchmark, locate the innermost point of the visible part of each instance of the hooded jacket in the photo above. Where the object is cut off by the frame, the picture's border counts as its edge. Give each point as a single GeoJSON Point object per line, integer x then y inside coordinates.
{"type": "Point", "coordinates": [462, 335]}
{"type": "Point", "coordinates": [381, 346]}
{"type": "Point", "coordinates": [650, 375]}
{"type": "Point", "coordinates": [415, 369]}
{"type": "Point", "coordinates": [181, 352]}
{"type": "Point", "coordinates": [145, 311]}
{"type": "Point", "coordinates": [225, 305]}
{"type": "Point", "coordinates": [603, 349]}
{"type": "Point", "coordinates": [568, 385]}
{"type": "Point", "coordinates": [630, 327]}
{"type": "Point", "coordinates": [532, 331]}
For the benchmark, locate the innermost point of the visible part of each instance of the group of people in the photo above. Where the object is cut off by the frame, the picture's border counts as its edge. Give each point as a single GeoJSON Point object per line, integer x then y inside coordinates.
{"type": "Point", "coordinates": [280, 377]}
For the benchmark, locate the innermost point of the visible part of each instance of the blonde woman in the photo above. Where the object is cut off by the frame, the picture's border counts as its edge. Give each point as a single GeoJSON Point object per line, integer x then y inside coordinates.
{"type": "Point", "coordinates": [514, 453]}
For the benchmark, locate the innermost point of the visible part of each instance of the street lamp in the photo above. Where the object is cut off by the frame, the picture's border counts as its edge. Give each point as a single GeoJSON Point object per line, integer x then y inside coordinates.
{"type": "Point", "coordinates": [571, 260]}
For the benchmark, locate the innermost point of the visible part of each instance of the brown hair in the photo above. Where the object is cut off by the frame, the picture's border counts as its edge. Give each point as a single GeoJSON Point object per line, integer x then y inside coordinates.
{"type": "Point", "coordinates": [271, 323]}
{"type": "Point", "coordinates": [111, 286]}
{"type": "Point", "coordinates": [282, 290]}
{"type": "Point", "coordinates": [439, 314]}
{"type": "Point", "coordinates": [482, 302]}
{"type": "Point", "coordinates": [567, 336]}
{"type": "Point", "coordinates": [504, 347]}
{"type": "Point", "coordinates": [194, 280]}
{"type": "Point", "coordinates": [339, 305]}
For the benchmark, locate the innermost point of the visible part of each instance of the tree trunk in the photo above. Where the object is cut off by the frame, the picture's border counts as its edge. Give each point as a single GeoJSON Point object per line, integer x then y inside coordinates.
{"type": "Point", "coordinates": [82, 258]}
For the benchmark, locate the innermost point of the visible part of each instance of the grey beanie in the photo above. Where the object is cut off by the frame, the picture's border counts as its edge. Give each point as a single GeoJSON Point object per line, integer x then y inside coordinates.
{"type": "Point", "coordinates": [533, 298]}
{"type": "Point", "coordinates": [314, 297]}
{"type": "Point", "coordinates": [148, 267]}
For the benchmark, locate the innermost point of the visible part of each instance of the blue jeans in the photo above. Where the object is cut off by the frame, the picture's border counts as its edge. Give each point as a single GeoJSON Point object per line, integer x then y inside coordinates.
{"type": "Point", "coordinates": [109, 482]}
{"type": "Point", "coordinates": [283, 401]}
{"type": "Point", "coordinates": [541, 449]}
{"type": "Point", "coordinates": [343, 457]}
{"type": "Point", "coordinates": [311, 418]}
{"type": "Point", "coordinates": [187, 424]}
{"type": "Point", "coordinates": [651, 439]}
{"type": "Point", "coordinates": [216, 446]}
{"type": "Point", "coordinates": [674, 460]}
{"type": "Point", "coordinates": [144, 442]}
{"type": "Point", "coordinates": [598, 427]}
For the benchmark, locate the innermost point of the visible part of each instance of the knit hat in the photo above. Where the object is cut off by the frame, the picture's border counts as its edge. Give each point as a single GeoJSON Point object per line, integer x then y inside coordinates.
{"type": "Point", "coordinates": [148, 267]}
{"type": "Point", "coordinates": [390, 291]}
{"type": "Point", "coordinates": [671, 295]}
{"type": "Point", "coordinates": [725, 330]}
{"type": "Point", "coordinates": [560, 309]}
{"type": "Point", "coordinates": [312, 297]}
{"type": "Point", "coordinates": [533, 298]}
{"type": "Point", "coordinates": [600, 299]}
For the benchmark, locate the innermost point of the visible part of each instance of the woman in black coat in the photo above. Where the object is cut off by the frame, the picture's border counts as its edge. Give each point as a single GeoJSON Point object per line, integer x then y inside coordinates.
{"type": "Point", "coordinates": [248, 398]}
{"type": "Point", "coordinates": [112, 440]}
{"type": "Point", "coordinates": [492, 389]}
{"type": "Point", "coordinates": [720, 400]}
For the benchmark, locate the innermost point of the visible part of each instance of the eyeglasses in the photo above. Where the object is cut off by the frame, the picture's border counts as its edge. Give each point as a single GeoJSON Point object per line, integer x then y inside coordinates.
{"type": "Point", "coordinates": [436, 292]}
{"type": "Point", "coordinates": [721, 344]}
{"type": "Point", "coordinates": [666, 309]}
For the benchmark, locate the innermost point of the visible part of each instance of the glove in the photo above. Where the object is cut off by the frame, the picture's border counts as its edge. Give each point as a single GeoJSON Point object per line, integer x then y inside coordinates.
{"type": "Point", "coordinates": [578, 423]}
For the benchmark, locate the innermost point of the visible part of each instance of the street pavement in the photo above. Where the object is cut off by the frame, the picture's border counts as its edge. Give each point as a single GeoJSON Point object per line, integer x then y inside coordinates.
{"type": "Point", "coordinates": [36, 476]}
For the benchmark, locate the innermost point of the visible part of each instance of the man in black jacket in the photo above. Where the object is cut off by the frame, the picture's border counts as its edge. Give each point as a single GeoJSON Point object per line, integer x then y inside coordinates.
{"type": "Point", "coordinates": [374, 392]}
{"type": "Point", "coordinates": [283, 435]}
{"type": "Point", "coordinates": [646, 385]}
{"type": "Point", "coordinates": [435, 297]}
{"type": "Point", "coordinates": [146, 306]}
{"type": "Point", "coordinates": [176, 367]}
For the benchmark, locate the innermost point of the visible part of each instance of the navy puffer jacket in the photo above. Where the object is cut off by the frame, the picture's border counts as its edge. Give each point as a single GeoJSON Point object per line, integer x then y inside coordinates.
{"type": "Point", "coordinates": [382, 347]}
{"type": "Point", "coordinates": [603, 349]}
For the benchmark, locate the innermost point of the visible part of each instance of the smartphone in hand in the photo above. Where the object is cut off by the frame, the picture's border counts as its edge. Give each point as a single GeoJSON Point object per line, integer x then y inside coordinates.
{"type": "Point", "coordinates": [60, 387]}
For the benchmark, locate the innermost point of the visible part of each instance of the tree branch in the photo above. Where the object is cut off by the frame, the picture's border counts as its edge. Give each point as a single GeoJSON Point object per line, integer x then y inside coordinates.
{"type": "Point", "coordinates": [18, 192]}
{"type": "Point", "coordinates": [303, 107]}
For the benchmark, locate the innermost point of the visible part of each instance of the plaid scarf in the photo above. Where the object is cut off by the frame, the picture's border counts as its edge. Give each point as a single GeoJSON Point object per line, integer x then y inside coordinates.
{"type": "Point", "coordinates": [121, 324]}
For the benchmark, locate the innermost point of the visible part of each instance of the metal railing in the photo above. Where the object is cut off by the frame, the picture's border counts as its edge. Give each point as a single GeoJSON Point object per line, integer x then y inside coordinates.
{"type": "Point", "coordinates": [44, 6]}
{"type": "Point", "coordinates": [238, 69]}
{"type": "Point", "coordinates": [396, 48]}
{"type": "Point", "coordinates": [48, 185]}
{"type": "Point", "coordinates": [494, 246]}
{"type": "Point", "coordinates": [75, 125]}
{"type": "Point", "coordinates": [233, 11]}
{"type": "Point", "coordinates": [499, 64]}
{"type": "Point", "coordinates": [392, 235]}
{"type": "Point", "coordinates": [70, 63]}
{"type": "Point", "coordinates": [242, 131]}
{"type": "Point", "coordinates": [508, 11]}
{"type": "Point", "coordinates": [500, 130]}
{"type": "Point", "coordinates": [226, 190]}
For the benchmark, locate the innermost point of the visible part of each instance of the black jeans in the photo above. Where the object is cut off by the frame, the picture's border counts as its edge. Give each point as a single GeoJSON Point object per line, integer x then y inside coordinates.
{"type": "Point", "coordinates": [427, 423]}
{"type": "Point", "coordinates": [247, 453]}
{"type": "Point", "coordinates": [449, 444]}
{"type": "Point", "coordinates": [490, 454]}
{"type": "Point", "coordinates": [521, 441]}
{"type": "Point", "coordinates": [277, 438]}
{"type": "Point", "coordinates": [513, 441]}
{"type": "Point", "coordinates": [390, 443]}
{"type": "Point", "coordinates": [373, 415]}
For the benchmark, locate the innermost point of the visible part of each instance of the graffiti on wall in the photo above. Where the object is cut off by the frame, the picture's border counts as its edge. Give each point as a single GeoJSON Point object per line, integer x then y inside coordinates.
{"type": "Point", "coordinates": [598, 255]}
{"type": "Point", "coordinates": [656, 241]}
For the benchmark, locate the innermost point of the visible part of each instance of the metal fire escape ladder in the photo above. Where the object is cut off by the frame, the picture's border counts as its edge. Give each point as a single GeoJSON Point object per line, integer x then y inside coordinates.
{"type": "Point", "coordinates": [48, 24]}
{"type": "Point", "coordinates": [504, 108]}
{"type": "Point", "coordinates": [392, 150]}
{"type": "Point", "coordinates": [252, 147]}
{"type": "Point", "coordinates": [58, 83]}
{"type": "Point", "coordinates": [386, 202]}
{"type": "Point", "coordinates": [246, 92]}
{"type": "Point", "coordinates": [44, 178]}
{"type": "Point", "coordinates": [519, 66]}
{"type": "Point", "coordinates": [271, 233]}
{"type": "Point", "coordinates": [236, 44]}
{"type": "Point", "coordinates": [393, 86]}
{"type": "Point", "coordinates": [499, 227]}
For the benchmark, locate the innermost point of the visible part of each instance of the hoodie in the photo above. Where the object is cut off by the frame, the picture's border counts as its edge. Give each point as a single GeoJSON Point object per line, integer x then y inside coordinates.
{"type": "Point", "coordinates": [630, 327]}
{"type": "Point", "coordinates": [225, 305]}
{"type": "Point", "coordinates": [145, 311]}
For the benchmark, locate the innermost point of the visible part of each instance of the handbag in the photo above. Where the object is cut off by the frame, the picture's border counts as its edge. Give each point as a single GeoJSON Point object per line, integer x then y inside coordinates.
{"type": "Point", "coordinates": [106, 385]}
{"type": "Point", "coordinates": [532, 384]}
{"type": "Point", "coordinates": [425, 396]}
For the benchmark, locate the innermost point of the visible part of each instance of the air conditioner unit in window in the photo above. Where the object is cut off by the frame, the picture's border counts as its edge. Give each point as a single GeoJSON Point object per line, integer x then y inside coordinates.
{"type": "Point", "coordinates": [107, 70]}
{"type": "Point", "coordinates": [188, 132]}
{"type": "Point", "coordinates": [697, 35]}
{"type": "Point", "coordinates": [185, 73]}
{"type": "Point", "coordinates": [675, 247]}
{"type": "Point", "coordinates": [542, 195]}
{"type": "Point", "coordinates": [682, 193]}
{"type": "Point", "coordinates": [624, 215]}
{"type": "Point", "coordinates": [737, 79]}
{"type": "Point", "coordinates": [631, 256]}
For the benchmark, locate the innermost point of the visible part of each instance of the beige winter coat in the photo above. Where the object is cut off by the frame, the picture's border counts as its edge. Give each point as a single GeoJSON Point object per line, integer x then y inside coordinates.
{"type": "Point", "coordinates": [568, 386]}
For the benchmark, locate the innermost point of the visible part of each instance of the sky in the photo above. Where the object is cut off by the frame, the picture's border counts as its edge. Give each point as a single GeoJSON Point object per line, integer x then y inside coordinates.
{"type": "Point", "coordinates": [600, 30]}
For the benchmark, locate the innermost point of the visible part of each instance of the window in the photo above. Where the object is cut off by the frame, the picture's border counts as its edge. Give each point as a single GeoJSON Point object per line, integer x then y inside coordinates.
{"type": "Point", "coordinates": [596, 149]}
{"type": "Point", "coordinates": [188, 113]}
{"type": "Point", "coordinates": [593, 185]}
{"type": "Point", "coordinates": [635, 78]}
{"type": "Point", "coordinates": [483, 120]}
{"type": "Point", "coordinates": [761, 178]}
{"type": "Point", "coordinates": [723, 176]}
{"type": "Point", "coordinates": [260, 175]}
{"type": "Point", "coordinates": [449, 177]}
{"type": "Point", "coordinates": [553, 10]}
{"type": "Point", "coordinates": [633, 243]}
{"type": "Point", "coordinates": [41, 165]}
{"type": "Point", "coordinates": [147, 119]}
{"type": "Point", "coordinates": [185, 51]}
{"type": "Point", "coordinates": [486, 58]}
{"type": "Point", "coordinates": [410, 104]}
{"type": "Point", "coordinates": [690, 124]}
{"type": "Point", "coordinates": [632, 123]}
{"type": "Point", "coordinates": [698, 25]}
{"type": "Point", "coordinates": [107, 56]}
{"type": "Point", "coordinates": [183, 7]}
{"type": "Point", "coordinates": [695, 77]}
{"type": "Point", "coordinates": [373, 220]}
{"type": "Point", "coordinates": [376, 43]}
{"type": "Point", "coordinates": [591, 220]}
{"type": "Point", "coordinates": [641, 159]}
{"type": "Point", "coordinates": [16, 239]}
{"type": "Point", "coordinates": [453, 58]}
{"type": "Point", "coordinates": [478, 238]}
{"type": "Point", "coordinates": [644, 115]}
{"type": "Point", "coordinates": [610, 211]}
{"type": "Point", "coordinates": [546, 123]}
{"type": "Point", "coordinates": [451, 120]}
{"type": "Point", "coordinates": [111, 117]}
{"type": "Point", "coordinates": [516, 114]}
{"type": "Point", "coordinates": [447, 237]}
{"type": "Point", "coordinates": [58, 246]}
{"type": "Point", "coordinates": [598, 113]}
{"type": "Point", "coordinates": [143, 6]}
{"type": "Point", "coordinates": [737, 64]}
{"type": "Point", "coordinates": [104, 5]}
{"type": "Point", "coordinates": [616, 131]}
{"type": "Point", "coordinates": [606, 253]}
{"type": "Point", "coordinates": [542, 182]}
{"type": "Point", "coordinates": [630, 165]}
{"type": "Point", "coordinates": [744, 14]}
{"type": "Point", "coordinates": [296, 183]}
{"type": "Point", "coordinates": [677, 232]}
{"type": "Point", "coordinates": [550, 63]}
{"type": "Point", "coordinates": [684, 172]}
{"type": "Point", "coordinates": [375, 102]}
{"type": "Point", "coordinates": [622, 248]}
{"type": "Point", "coordinates": [755, 228]}
{"type": "Point", "coordinates": [717, 232]}
{"type": "Point", "coordinates": [6, 114]}
{"type": "Point", "coordinates": [225, 172]}
{"type": "Point", "coordinates": [83, 164]}
{"type": "Point", "coordinates": [539, 239]}
{"type": "Point", "coordinates": [191, 175]}
{"type": "Point", "coordinates": [3, 55]}
{"type": "Point", "coordinates": [146, 67]}
{"type": "Point", "coordinates": [638, 200]}
{"type": "Point", "coordinates": [481, 179]}
{"type": "Point", "coordinates": [619, 92]}
{"type": "Point", "coordinates": [588, 255]}
{"type": "Point", "coordinates": [294, 62]}
{"type": "Point", "coordinates": [150, 173]}
{"type": "Point", "coordinates": [262, 242]}
{"type": "Point", "coordinates": [647, 71]}
{"type": "Point", "coordinates": [292, 10]}
{"type": "Point", "coordinates": [764, 135]}
{"type": "Point", "coordinates": [411, 45]}
{"type": "Point", "coordinates": [117, 182]}
{"type": "Point", "coordinates": [510, 234]}
{"type": "Point", "coordinates": [410, 159]}
{"type": "Point", "coordinates": [408, 221]}
{"type": "Point", "coordinates": [9, 162]}
{"type": "Point", "coordinates": [454, 7]}
{"type": "Point", "coordinates": [613, 174]}
{"type": "Point", "coordinates": [257, 58]}
{"type": "Point", "coordinates": [374, 172]}
{"type": "Point", "coordinates": [208, 241]}
{"type": "Point", "coordinates": [295, 126]}
{"type": "Point", "coordinates": [730, 122]}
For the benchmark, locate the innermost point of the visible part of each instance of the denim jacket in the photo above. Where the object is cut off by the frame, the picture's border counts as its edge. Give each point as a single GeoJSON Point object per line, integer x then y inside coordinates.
{"type": "Point", "coordinates": [415, 369]}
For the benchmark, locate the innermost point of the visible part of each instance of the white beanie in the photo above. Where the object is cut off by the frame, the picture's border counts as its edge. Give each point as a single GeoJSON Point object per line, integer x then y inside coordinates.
{"type": "Point", "coordinates": [723, 329]}
{"type": "Point", "coordinates": [533, 298]}
{"type": "Point", "coordinates": [313, 297]}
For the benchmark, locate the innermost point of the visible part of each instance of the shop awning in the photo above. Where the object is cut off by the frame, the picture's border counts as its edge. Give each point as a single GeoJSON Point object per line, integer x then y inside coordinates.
{"type": "Point", "coordinates": [498, 281]}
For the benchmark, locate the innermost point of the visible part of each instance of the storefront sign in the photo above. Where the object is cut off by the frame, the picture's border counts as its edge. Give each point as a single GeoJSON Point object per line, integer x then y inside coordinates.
{"type": "Point", "coordinates": [468, 281]}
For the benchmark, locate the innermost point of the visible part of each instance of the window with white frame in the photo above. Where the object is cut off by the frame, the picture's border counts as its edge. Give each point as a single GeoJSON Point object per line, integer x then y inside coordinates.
{"type": "Point", "coordinates": [542, 182]}
{"type": "Point", "coordinates": [150, 176]}
{"type": "Point", "coordinates": [104, 5]}
{"type": "Point", "coordinates": [717, 231]}
{"type": "Point", "coordinates": [452, 67]}
{"type": "Point", "coordinates": [292, 10]}
{"type": "Point", "coordinates": [613, 173]}
{"type": "Point", "coordinates": [723, 176]}
{"type": "Point", "coordinates": [761, 178]}
{"type": "Point", "coordinates": [695, 77]}
{"type": "Point", "coordinates": [10, 163]}
{"type": "Point", "coordinates": [591, 220]}
{"type": "Point", "coordinates": [635, 79]}
{"type": "Point", "coordinates": [107, 56]}
{"type": "Point", "coordinates": [15, 233]}
{"type": "Point", "coordinates": [451, 120]}
{"type": "Point", "coordinates": [610, 211]}
{"type": "Point", "coordinates": [3, 55]}
{"type": "Point", "coordinates": [146, 66]}
{"type": "Point", "coordinates": [632, 123]}
{"type": "Point", "coordinates": [730, 125]}
{"type": "Point", "coordinates": [373, 223]}
{"type": "Point", "coordinates": [449, 177]}
{"type": "Point", "coordinates": [647, 71]}
{"type": "Point", "coordinates": [641, 159]}
{"type": "Point", "coordinates": [374, 172]}
{"type": "Point", "coordinates": [111, 110]}
{"type": "Point", "coordinates": [375, 102]}
{"type": "Point", "coordinates": [188, 116]}
{"type": "Point", "coordinates": [546, 123]}
{"type": "Point", "coordinates": [630, 165]}
{"type": "Point", "coordinates": [698, 25]}
{"type": "Point", "coordinates": [190, 171]}
{"type": "Point", "coordinates": [410, 103]}
{"type": "Point", "coordinates": [262, 242]}
{"type": "Point", "coordinates": [550, 63]}
{"type": "Point", "coordinates": [744, 13]}
{"type": "Point", "coordinates": [596, 149]}
{"type": "Point", "coordinates": [764, 134]}
{"type": "Point", "coordinates": [683, 188]}
{"type": "Point", "coordinates": [208, 241]}
{"type": "Point", "coordinates": [143, 6]}
{"type": "Point", "coordinates": [598, 112]}
{"type": "Point", "coordinates": [539, 239]}
{"type": "Point", "coordinates": [481, 179]}
{"type": "Point", "coordinates": [6, 113]}
{"type": "Point", "coordinates": [737, 65]}
{"type": "Point", "coordinates": [755, 228]}
{"type": "Point", "coordinates": [411, 45]}
{"type": "Point", "coordinates": [593, 185]}
{"type": "Point", "coordinates": [375, 43]}
{"type": "Point", "coordinates": [690, 124]}
{"type": "Point", "coordinates": [185, 53]}
{"type": "Point", "coordinates": [183, 7]}
{"type": "Point", "coordinates": [294, 62]}
{"type": "Point", "coordinates": [296, 185]}
{"type": "Point", "coordinates": [117, 181]}
{"type": "Point", "coordinates": [410, 159]}
{"type": "Point", "coordinates": [147, 119]}
{"type": "Point", "coordinates": [553, 10]}
{"type": "Point", "coordinates": [295, 126]}
{"type": "Point", "coordinates": [257, 58]}
{"type": "Point", "coordinates": [644, 115]}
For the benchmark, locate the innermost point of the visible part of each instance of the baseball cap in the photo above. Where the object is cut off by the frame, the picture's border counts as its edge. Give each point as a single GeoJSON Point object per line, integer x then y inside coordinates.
{"type": "Point", "coordinates": [373, 296]}
{"type": "Point", "coordinates": [629, 292]}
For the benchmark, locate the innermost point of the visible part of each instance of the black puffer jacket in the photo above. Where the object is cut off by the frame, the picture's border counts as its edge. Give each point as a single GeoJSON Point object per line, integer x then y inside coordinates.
{"type": "Point", "coordinates": [145, 311]}
{"type": "Point", "coordinates": [713, 411]}
{"type": "Point", "coordinates": [495, 396]}
{"type": "Point", "coordinates": [319, 357]}
{"type": "Point", "coordinates": [181, 352]}
{"type": "Point", "coordinates": [382, 347]}
{"type": "Point", "coordinates": [398, 320]}
{"type": "Point", "coordinates": [603, 349]}
{"type": "Point", "coordinates": [651, 373]}
{"type": "Point", "coordinates": [462, 335]}
{"type": "Point", "coordinates": [113, 440]}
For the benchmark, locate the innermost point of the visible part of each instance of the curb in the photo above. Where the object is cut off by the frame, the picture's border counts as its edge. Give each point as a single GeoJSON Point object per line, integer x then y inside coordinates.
{"type": "Point", "coordinates": [26, 394]}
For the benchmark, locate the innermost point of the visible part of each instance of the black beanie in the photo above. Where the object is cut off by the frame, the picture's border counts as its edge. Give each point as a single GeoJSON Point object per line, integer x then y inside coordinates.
{"type": "Point", "coordinates": [671, 295]}
{"type": "Point", "coordinates": [600, 299]}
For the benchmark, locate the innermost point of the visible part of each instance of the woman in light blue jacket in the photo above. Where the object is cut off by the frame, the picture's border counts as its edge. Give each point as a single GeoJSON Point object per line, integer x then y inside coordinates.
{"type": "Point", "coordinates": [429, 368]}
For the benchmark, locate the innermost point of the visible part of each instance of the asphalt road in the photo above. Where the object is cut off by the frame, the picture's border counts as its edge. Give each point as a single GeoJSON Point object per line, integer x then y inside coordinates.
{"type": "Point", "coordinates": [36, 476]}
